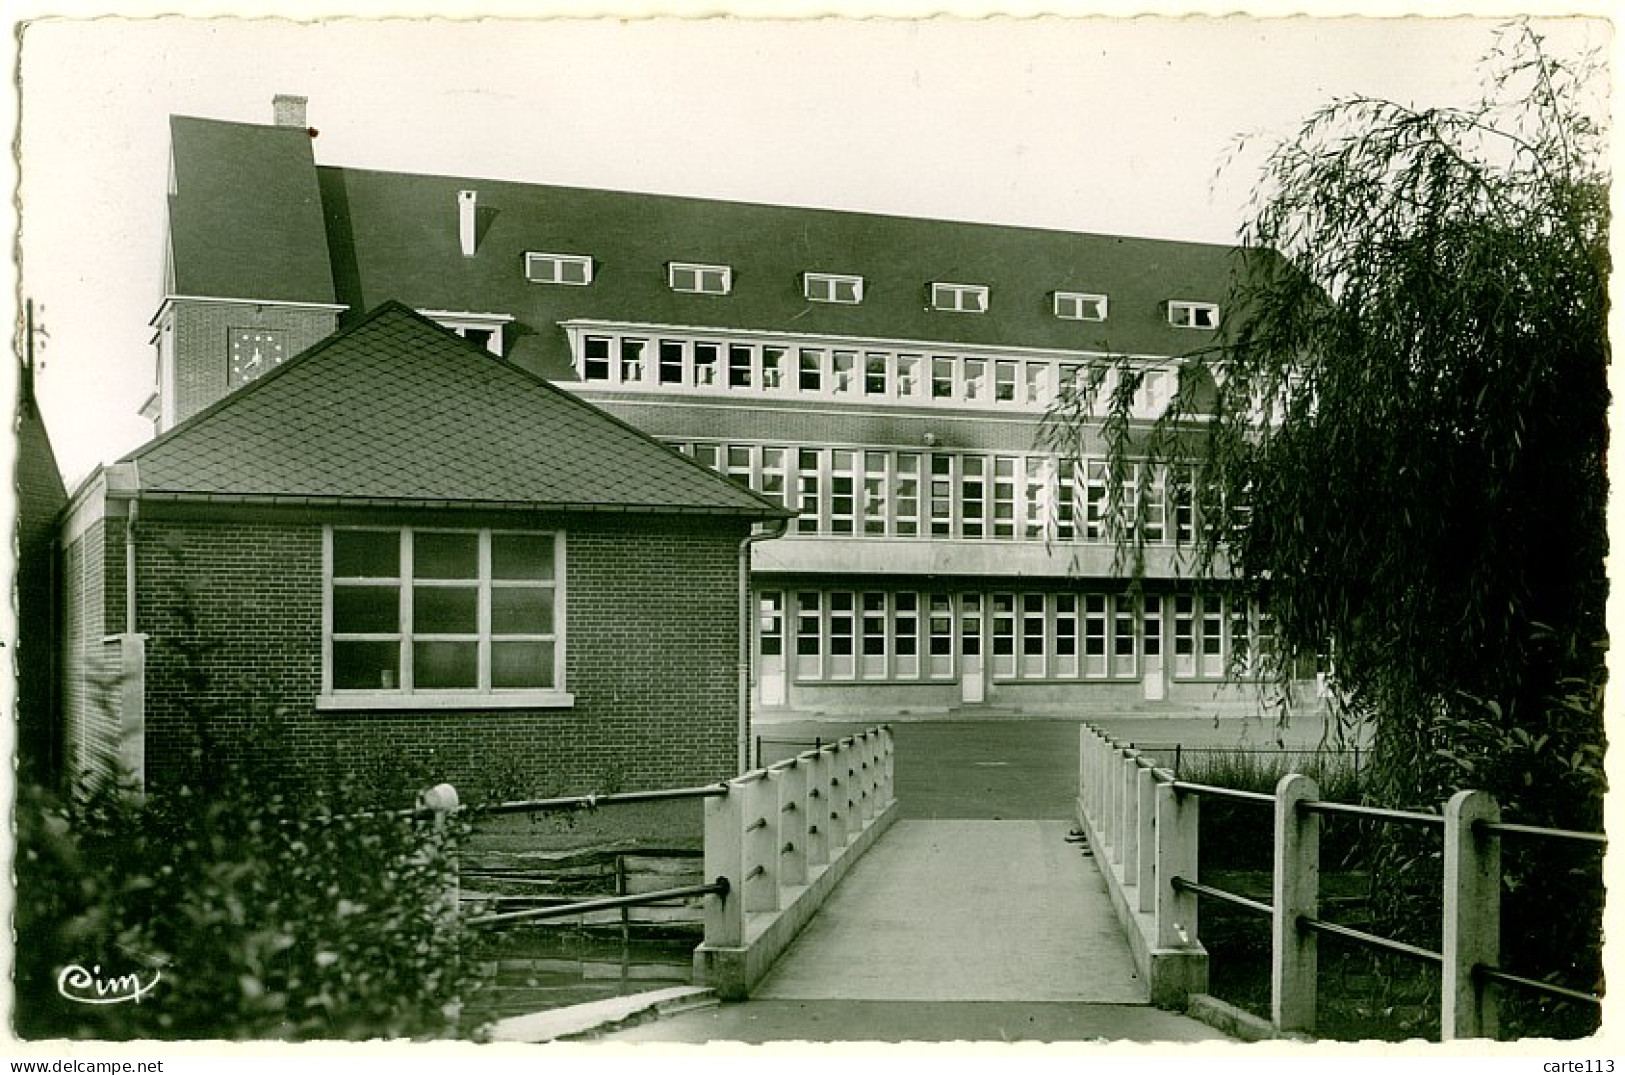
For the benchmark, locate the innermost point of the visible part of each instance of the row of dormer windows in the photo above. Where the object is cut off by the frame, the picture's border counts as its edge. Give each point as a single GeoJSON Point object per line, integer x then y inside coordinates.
{"type": "Point", "coordinates": [847, 290]}
{"type": "Point", "coordinates": [871, 375]}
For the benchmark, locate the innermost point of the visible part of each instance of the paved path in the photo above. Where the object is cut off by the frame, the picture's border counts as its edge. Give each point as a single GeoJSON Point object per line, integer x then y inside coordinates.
{"type": "Point", "coordinates": [964, 911]}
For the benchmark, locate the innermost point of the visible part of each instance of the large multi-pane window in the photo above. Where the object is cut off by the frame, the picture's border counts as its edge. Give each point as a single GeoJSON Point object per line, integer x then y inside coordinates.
{"type": "Point", "coordinates": [733, 363]}
{"type": "Point", "coordinates": [883, 493]}
{"type": "Point", "coordinates": [428, 613]}
{"type": "Point", "coordinates": [1030, 636]}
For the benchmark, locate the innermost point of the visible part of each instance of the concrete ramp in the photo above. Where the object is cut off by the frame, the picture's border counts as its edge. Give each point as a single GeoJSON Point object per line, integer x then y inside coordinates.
{"type": "Point", "coordinates": [964, 911]}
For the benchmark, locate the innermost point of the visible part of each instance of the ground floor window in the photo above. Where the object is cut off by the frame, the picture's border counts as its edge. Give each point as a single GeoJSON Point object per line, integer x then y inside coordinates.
{"type": "Point", "coordinates": [417, 612]}
{"type": "Point", "coordinates": [912, 636]}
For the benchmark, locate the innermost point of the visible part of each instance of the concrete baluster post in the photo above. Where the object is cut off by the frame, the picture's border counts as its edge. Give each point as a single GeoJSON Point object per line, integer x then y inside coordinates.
{"type": "Point", "coordinates": [815, 768]}
{"type": "Point", "coordinates": [1092, 781]}
{"type": "Point", "coordinates": [761, 819]}
{"type": "Point", "coordinates": [1293, 958]}
{"type": "Point", "coordinates": [1145, 789]}
{"type": "Point", "coordinates": [725, 859]}
{"type": "Point", "coordinates": [1129, 851]}
{"type": "Point", "coordinates": [1177, 828]}
{"type": "Point", "coordinates": [792, 787]}
{"type": "Point", "coordinates": [835, 816]}
{"type": "Point", "coordinates": [888, 770]}
{"type": "Point", "coordinates": [866, 778]}
{"type": "Point", "coordinates": [1472, 916]}
{"type": "Point", "coordinates": [443, 802]}
{"type": "Point", "coordinates": [1083, 766]}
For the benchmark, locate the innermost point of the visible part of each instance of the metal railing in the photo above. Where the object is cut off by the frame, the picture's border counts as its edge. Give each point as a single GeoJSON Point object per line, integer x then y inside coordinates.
{"type": "Point", "coordinates": [766, 832]}
{"type": "Point", "coordinates": [1148, 821]}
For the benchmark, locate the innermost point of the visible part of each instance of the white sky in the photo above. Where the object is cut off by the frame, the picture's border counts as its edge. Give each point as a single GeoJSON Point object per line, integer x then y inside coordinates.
{"type": "Point", "coordinates": [1088, 124]}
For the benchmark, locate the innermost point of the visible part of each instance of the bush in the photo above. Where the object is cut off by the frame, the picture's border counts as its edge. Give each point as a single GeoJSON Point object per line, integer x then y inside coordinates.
{"type": "Point", "coordinates": [261, 914]}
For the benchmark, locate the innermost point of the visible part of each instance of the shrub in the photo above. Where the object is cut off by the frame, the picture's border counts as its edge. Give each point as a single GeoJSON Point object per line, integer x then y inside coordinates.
{"type": "Point", "coordinates": [261, 914]}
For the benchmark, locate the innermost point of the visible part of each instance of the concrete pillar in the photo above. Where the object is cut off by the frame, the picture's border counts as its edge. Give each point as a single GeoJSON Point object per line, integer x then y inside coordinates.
{"type": "Point", "coordinates": [761, 845]}
{"type": "Point", "coordinates": [1472, 916]}
{"type": "Point", "coordinates": [888, 768]}
{"type": "Point", "coordinates": [791, 783]}
{"type": "Point", "coordinates": [815, 772]}
{"type": "Point", "coordinates": [1177, 826]}
{"type": "Point", "coordinates": [1126, 851]}
{"type": "Point", "coordinates": [866, 778]}
{"type": "Point", "coordinates": [1293, 962]}
{"type": "Point", "coordinates": [1145, 877]}
{"type": "Point", "coordinates": [725, 858]}
{"type": "Point", "coordinates": [835, 817]}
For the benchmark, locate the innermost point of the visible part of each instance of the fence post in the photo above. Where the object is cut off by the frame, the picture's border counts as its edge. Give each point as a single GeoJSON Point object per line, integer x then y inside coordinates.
{"type": "Point", "coordinates": [866, 778]}
{"type": "Point", "coordinates": [1124, 851]}
{"type": "Point", "coordinates": [725, 859]}
{"type": "Point", "coordinates": [761, 833]}
{"type": "Point", "coordinates": [1146, 839]}
{"type": "Point", "coordinates": [442, 800]}
{"type": "Point", "coordinates": [888, 770]}
{"type": "Point", "coordinates": [837, 793]}
{"type": "Point", "coordinates": [1293, 955]}
{"type": "Point", "coordinates": [815, 803]}
{"type": "Point", "coordinates": [1472, 916]}
{"type": "Point", "coordinates": [792, 787]}
{"type": "Point", "coordinates": [1178, 821]}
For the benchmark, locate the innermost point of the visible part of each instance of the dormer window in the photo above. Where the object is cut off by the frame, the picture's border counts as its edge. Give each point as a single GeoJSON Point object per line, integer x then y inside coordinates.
{"type": "Point", "coordinates": [484, 330]}
{"type": "Point", "coordinates": [832, 287]}
{"type": "Point", "coordinates": [959, 298]}
{"type": "Point", "coordinates": [1182, 314]}
{"type": "Point", "coordinates": [574, 269]}
{"type": "Point", "coordinates": [1079, 306]}
{"type": "Point", "coordinates": [699, 279]}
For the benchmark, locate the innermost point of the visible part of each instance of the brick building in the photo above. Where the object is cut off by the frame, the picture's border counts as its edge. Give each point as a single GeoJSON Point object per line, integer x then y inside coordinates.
{"type": "Point", "coordinates": [883, 377]}
{"type": "Point", "coordinates": [398, 544]}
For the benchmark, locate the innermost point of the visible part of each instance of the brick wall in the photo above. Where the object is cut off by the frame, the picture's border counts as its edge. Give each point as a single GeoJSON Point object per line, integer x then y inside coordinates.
{"type": "Point", "coordinates": [202, 345]}
{"type": "Point", "coordinates": [651, 657]}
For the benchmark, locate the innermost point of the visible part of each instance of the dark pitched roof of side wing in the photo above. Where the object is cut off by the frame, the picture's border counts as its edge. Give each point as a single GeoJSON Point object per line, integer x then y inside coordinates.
{"type": "Point", "coordinates": [397, 409]}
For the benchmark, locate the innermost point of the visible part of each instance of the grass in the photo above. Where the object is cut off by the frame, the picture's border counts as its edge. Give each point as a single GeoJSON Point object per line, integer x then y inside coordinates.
{"type": "Point", "coordinates": [677, 824]}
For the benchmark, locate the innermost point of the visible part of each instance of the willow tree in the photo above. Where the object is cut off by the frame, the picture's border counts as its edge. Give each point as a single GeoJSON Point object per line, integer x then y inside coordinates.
{"type": "Point", "coordinates": [1401, 431]}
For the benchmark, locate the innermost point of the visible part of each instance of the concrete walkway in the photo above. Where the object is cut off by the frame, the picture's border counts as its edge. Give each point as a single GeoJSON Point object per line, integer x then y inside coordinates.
{"type": "Point", "coordinates": [964, 911]}
{"type": "Point", "coordinates": [951, 931]}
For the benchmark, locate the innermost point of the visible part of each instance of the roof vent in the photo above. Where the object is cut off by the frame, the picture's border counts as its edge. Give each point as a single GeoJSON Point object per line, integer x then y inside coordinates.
{"type": "Point", "coordinates": [289, 110]}
{"type": "Point", "coordinates": [465, 220]}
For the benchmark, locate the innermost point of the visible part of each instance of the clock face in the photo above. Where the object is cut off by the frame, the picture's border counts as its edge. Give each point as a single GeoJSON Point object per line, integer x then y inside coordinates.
{"type": "Point", "coordinates": [254, 351]}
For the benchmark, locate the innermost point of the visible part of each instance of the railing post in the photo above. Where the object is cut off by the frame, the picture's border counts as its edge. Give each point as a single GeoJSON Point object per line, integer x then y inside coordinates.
{"type": "Point", "coordinates": [725, 858]}
{"type": "Point", "coordinates": [839, 791]}
{"type": "Point", "coordinates": [1472, 916]}
{"type": "Point", "coordinates": [761, 818]}
{"type": "Point", "coordinates": [1293, 958]}
{"type": "Point", "coordinates": [888, 764]}
{"type": "Point", "coordinates": [792, 788]}
{"type": "Point", "coordinates": [1178, 819]}
{"type": "Point", "coordinates": [1146, 840]}
{"type": "Point", "coordinates": [865, 755]}
{"type": "Point", "coordinates": [816, 798]}
{"type": "Point", "coordinates": [1127, 852]}
{"type": "Point", "coordinates": [442, 800]}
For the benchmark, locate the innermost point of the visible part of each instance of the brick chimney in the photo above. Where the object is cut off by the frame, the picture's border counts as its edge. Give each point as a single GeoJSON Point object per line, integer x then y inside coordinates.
{"type": "Point", "coordinates": [289, 110]}
{"type": "Point", "coordinates": [466, 202]}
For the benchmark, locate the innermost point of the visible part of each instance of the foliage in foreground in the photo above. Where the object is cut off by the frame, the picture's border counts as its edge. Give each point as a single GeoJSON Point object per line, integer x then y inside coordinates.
{"type": "Point", "coordinates": [260, 915]}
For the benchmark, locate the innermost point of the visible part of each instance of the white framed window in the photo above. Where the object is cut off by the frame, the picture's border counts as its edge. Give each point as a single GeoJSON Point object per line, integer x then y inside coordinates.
{"type": "Point", "coordinates": [419, 618]}
{"type": "Point", "coordinates": [832, 287]}
{"type": "Point", "coordinates": [574, 269]}
{"type": "Point", "coordinates": [477, 328]}
{"type": "Point", "coordinates": [1183, 314]}
{"type": "Point", "coordinates": [1080, 306]}
{"type": "Point", "coordinates": [959, 298]}
{"type": "Point", "coordinates": [700, 279]}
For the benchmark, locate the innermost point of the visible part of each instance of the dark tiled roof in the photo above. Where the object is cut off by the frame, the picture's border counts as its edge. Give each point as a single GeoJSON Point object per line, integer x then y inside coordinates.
{"type": "Point", "coordinates": [398, 409]}
{"type": "Point", "coordinates": [246, 214]}
{"type": "Point", "coordinates": [40, 492]}
{"type": "Point", "coordinates": [395, 235]}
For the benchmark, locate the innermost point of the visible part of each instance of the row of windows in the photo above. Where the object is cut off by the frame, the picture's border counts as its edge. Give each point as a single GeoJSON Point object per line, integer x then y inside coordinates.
{"type": "Point", "coordinates": [847, 290]}
{"type": "Point", "coordinates": [888, 493]}
{"type": "Point", "coordinates": [848, 373]}
{"type": "Point", "coordinates": [818, 635]}
{"type": "Point", "coordinates": [417, 611]}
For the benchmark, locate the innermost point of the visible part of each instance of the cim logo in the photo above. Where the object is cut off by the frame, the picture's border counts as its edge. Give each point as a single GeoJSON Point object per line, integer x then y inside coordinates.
{"type": "Point", "coordinates": [89, 987]}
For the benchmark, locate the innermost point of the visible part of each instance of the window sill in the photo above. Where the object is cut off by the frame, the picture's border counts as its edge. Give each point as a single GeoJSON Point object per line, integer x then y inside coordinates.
{"type": "Point", "coordinates": [351, 701]}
